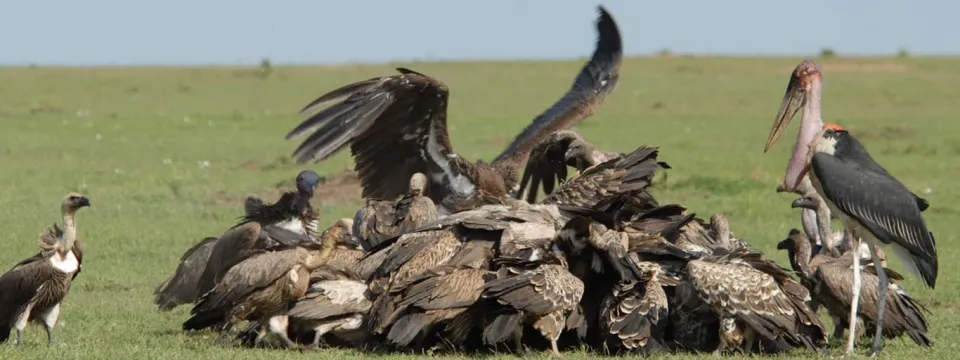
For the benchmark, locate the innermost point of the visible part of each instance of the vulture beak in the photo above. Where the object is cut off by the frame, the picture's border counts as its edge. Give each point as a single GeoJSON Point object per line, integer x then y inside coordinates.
{"type": "Point", "coordinates": [83, 201]}
{"type": "Point", "coordinates": [805, 202]}
{"type": "Point", "coordinates": [791, 104]}
{"type": "Point", "coordinates": [784, 244]}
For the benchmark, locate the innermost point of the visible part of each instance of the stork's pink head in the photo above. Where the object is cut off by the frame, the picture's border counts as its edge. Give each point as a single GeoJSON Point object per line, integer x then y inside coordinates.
{"type": "Point", "coordinates": [800, 82]}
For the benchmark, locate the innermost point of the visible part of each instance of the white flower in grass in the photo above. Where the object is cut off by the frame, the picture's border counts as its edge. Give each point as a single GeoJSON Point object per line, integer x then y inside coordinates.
{"type": "Point", "coordinates": [203, 164]}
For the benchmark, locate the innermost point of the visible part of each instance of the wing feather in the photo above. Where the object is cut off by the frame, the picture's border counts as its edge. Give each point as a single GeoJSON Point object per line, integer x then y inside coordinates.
{"type": "Point", "coordinates": [593, 84]}
{"type": "Point", "coordinates": [395, 126]}
{"type": "Point", "coordinates": [884, 206]}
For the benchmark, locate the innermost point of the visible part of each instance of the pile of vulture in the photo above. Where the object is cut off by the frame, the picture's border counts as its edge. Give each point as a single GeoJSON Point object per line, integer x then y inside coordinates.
{"type": "Point", "coordinates": [463, 256]}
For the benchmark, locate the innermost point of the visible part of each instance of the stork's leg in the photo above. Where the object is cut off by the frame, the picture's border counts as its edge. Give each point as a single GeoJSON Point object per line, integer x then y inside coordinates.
{"type": "Point", "coordinates": [852, 338]}
{"type": "Point", "coordinates": [881, 307]}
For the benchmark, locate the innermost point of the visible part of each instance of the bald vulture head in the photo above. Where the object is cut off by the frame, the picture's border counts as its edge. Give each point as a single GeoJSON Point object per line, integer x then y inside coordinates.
{"type": "Point", "coordinates": [341, 233]}
{"type": "Point", "coordinates": [307, 182]}
{"type": "Point", "coordinates": [418, 184]}
{"type": "Point", "coordinates": [72, 202]}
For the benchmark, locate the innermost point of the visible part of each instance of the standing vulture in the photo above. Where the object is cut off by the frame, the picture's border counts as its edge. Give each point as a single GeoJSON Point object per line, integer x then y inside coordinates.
{"type": "Point", "coordinates": [831, 284]}
{"type": "Point", "coordinates": [33, 289]}
{"type": "Point", "coordinates": [397, 126]}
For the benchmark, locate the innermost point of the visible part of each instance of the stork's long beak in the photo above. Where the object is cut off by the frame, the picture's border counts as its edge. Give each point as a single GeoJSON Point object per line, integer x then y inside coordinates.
{"type": "Point", "coordinates": [806, 169]}
{"type": "Point", "coordinates": [792, 102]}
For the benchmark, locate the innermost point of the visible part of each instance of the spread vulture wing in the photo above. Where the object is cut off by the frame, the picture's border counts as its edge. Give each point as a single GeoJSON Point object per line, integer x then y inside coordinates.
{"type": "Point", "coordinates": [886, 208]}
{"type": "Point", "coordinates": [397, 125]}
{"type": "Point", "coordinates": [595, 81]}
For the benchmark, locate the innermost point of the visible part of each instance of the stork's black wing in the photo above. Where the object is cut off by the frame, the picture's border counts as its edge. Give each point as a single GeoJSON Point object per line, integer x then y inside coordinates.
{"type": "Point", "coordinates": [882, 204]}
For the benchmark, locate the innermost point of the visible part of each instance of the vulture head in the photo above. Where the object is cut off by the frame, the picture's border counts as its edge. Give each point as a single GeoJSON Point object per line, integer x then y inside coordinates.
{"type": "Point", "coordinates": [72, 202]}
{"type": "Point", "coordinates": [418, 184]}
{"type": "Point", "coordinates": [307, 182]}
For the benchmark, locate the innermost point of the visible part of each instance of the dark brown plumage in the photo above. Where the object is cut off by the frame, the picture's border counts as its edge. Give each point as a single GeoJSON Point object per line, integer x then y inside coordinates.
{"type": "Point", "coordinates": [289, 221]}
{"type": "Point", "coordinates": [542, 293]}
{"type": "Point", "coordinates": [831, 284]}
{"type": "Point", "coordinates": [183, 286]}
{"type": "Point", "coordinates": [33, 289]}
{"type": "Point", "coordinates": [262, 288]}
{"type": "Point", "coordinates": [549, 160]}
{"type": "Point", "coordinates": [397, 126]}
{"type": "Point", "coordinates": [380, 220]}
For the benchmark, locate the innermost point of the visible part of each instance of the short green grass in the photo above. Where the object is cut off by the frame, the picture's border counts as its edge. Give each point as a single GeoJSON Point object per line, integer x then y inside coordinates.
{"type": "Point", "coordinates": [135, 140]}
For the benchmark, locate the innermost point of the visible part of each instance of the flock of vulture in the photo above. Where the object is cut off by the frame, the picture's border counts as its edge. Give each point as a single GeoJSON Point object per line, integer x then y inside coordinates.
{"type": "Point", "coordinates": [462, 255]}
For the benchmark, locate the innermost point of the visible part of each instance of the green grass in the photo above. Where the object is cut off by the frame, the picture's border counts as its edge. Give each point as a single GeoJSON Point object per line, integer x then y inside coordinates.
{"type": "Point", "coordinates": [132, 140]}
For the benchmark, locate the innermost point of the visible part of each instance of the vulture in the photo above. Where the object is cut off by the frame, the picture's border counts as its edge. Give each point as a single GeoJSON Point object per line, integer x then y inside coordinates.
{"type": "Point", "coordinates": [334, 304]}
{"type": "Point", "coordinates": [541, 293]}
{"type": "Point", "coordinates": [757, 302]}
{"type": "Point", "coordinates": [831, 284]}
{"type": "Point", "coordinates": [33, 289]}
{"type": "Point", "coordinates": [380, 220]}
{"type": "Point", "coordinates": [291, 220]}
{"type": "Point", "coordinates": [396, 126]}
{"type": "Point", "coordinates": [183, 286]}
{"type": "Point", "coordinates": [262, 288]}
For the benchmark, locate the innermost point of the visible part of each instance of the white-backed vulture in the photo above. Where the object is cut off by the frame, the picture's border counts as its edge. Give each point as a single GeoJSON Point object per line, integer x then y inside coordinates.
{"type": "Point", "coordinates": [542, 293]}
{"type": "Point", "coordinates": [756, 301]}
{"type": "Point", "coordinates": [332, 305]}
{"type": "Point", "coordinates": [831, 283]}
{"type": "Point", "coordinates": [379, 220]}
{"type": "Point", "coordinates": [291, 220]}
{"type": "Point", "coordinates": [261, 288]}
{"type": "Point", "coordinates": [396, 126]}
{"type": "Point", "coordinates": [33, 289]}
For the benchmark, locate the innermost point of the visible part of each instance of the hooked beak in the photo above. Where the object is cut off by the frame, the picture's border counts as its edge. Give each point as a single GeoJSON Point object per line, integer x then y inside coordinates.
{"type": "Point", "coordinates": [84, 201]}
{"type": "Point", "coordinates": [792, 101]}
{"type": "Point", "coordinates": [804, 202]}
{"type": "Point", "coordinates": [784, 244]}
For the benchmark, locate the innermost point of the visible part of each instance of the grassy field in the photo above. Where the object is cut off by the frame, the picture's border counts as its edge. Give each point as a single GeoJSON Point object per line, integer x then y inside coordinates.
{"type": "Point", "coordinates": [166, 156]}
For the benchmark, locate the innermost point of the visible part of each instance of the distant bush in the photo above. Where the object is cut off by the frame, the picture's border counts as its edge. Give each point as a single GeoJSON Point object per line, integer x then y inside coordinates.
{"type": "Point", "coordinates": [827, 53]}
{"type": "Point", "coordinates": [266, 68]}
{"type": "Point", "coordinates": [903, 53]}
{"type": "Point", "coordinates": [664, 52]}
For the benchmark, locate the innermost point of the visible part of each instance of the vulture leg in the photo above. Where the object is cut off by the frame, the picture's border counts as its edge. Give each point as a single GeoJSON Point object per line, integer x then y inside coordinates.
{"type": "Point", "coordinates": [224, 338]}
{"type": "Point", "coordinates": [884, 283]}
{"type": "Point", "coordinates": [277, 326]}
{"type": "Point", "coordinates": [518, 337]}
{"type": "Point", "coordinates": [19, 338]}
{"type": "Point", "coordinates": [852, 337]}
{"type": "Point", "coordinates": [553, 347]}
{"type": "Point", "coordinates": [49, 335]}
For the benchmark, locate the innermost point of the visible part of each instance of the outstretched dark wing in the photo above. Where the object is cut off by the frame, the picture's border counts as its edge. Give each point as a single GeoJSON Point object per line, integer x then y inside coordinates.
{"type": "Point", "coordinates": [395, 125]}
{"type": "Point", "coordinates": [597, 80]}
{"type": "Point", "coordinates": [880, 203]}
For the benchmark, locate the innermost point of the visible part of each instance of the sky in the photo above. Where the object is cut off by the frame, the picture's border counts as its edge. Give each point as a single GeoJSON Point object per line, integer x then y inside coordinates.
{"type": "Point", "coordinates": [235, 32]}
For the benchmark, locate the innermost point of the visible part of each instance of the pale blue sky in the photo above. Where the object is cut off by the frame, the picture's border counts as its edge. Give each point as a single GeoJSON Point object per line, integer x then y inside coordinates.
{"type": "Point", "coordinates": [192, 32]}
